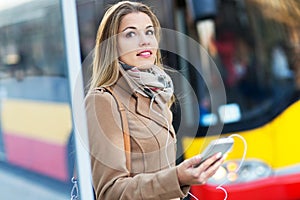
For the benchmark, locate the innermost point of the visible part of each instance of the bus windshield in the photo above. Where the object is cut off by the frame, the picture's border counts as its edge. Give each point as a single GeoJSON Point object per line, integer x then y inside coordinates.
{"type": "Point", "coordinates": [252, 43]}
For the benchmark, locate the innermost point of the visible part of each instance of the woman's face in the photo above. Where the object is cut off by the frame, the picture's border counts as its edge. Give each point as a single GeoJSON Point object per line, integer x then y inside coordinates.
{"type": "Point", "coordinates": [137, 44]}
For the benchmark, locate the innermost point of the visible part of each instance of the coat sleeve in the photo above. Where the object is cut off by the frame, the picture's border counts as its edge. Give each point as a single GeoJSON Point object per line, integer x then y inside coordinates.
{"type": "Point", "coordinates": [111, 178]}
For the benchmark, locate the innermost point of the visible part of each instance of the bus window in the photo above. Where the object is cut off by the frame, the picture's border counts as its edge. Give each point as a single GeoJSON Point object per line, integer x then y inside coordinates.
{"type": "Point", "coordinates": [253, 47]}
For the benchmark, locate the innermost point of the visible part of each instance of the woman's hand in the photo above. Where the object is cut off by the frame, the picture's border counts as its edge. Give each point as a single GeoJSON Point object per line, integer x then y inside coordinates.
{"type": "Point", "coordinates": [189, 175]}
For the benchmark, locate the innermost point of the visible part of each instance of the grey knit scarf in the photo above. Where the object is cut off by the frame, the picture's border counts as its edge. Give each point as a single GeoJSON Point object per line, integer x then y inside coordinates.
{"type": "Point", "coordinates": [152, 82]}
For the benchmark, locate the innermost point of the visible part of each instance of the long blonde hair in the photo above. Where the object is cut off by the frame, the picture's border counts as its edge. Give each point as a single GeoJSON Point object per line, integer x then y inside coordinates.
{"type": "Point", "coordinates": [105, 63]}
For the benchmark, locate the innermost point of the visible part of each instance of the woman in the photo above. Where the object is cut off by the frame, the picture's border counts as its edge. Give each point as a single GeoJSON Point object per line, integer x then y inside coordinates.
{"type": "Point", "coordinates": [127, 69]}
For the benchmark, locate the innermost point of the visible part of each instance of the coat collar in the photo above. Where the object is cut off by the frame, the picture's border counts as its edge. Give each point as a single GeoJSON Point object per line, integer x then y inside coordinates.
{"type": "Point", "coordinates": [125, 90]}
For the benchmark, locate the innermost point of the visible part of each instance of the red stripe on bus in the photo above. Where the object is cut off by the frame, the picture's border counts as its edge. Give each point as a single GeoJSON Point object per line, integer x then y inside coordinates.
{"type": "Point", "coordinates": [38, 156]}
{"type": "Point", "coordinates": [275, 188]}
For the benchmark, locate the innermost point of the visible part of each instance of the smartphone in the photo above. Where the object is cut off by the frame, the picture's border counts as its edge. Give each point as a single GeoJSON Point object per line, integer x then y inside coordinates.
{"type": "Point", "coordinates": [223, 145]}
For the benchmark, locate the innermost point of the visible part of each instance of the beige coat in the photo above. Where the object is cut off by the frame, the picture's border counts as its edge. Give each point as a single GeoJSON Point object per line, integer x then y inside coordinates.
{"type": "Point", "coordinates": [153, 173]}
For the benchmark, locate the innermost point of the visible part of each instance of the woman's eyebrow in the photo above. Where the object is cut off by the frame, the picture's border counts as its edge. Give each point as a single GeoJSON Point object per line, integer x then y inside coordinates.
{"type": "Point", "coordinates": [150, 26]}
{"type": "Point", "coordinates": [129, 27]}
{"type": "Point", "coordinates": [132, 27]}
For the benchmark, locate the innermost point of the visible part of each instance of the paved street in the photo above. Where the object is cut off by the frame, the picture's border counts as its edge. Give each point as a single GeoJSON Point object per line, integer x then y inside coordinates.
{"type": "Point", "coordinates": [19, 184]}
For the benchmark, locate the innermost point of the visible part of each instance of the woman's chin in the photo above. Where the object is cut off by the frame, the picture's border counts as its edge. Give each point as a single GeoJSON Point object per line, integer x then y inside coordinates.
{"type": "Point", "coordinates": [145, 64]}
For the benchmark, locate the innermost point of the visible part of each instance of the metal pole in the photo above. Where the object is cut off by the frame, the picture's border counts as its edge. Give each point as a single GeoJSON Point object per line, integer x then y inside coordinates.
{"type": "Point", "coordinates": [75, 79]}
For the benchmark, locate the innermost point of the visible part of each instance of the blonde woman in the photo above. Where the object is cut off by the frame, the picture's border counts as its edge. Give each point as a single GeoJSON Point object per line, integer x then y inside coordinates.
{"type": "Point", "coordinates": [127, 69]}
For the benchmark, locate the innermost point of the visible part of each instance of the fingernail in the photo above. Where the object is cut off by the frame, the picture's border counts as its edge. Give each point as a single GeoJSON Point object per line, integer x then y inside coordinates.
{"type": "Point", "coordinates": [219, 155]}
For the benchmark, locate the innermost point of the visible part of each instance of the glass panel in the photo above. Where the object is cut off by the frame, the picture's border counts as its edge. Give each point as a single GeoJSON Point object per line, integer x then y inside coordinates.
{"type": "Point", "coordinates": [255, 46]}
{"type": "Point", "coordinates": [35, 116]}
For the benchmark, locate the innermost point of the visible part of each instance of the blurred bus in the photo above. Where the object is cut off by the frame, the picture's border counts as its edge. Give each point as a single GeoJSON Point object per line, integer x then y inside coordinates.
{"type": "Point", "coordinates": [255, 45]}
{"type": "Point", "coordinates": [35, 116]}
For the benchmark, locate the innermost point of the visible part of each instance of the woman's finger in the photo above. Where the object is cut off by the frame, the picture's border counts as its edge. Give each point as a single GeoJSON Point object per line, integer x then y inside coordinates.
{"type": "Point", "coordinates": [213, 168]}
{"type": "Point", "coordinates": [206, 164]}
{"type": "Point", "coordinates": [192, 161]}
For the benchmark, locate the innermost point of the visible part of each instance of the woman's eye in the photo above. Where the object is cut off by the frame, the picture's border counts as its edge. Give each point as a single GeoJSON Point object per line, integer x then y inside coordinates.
{"type": "Point", "coordinates": [149, 32]}
{"type": "Point", "coordinates": [130, 34]}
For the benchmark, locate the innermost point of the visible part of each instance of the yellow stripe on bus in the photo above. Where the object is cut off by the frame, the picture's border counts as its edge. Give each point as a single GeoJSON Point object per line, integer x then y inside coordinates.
{"type": "Point", "coordinates": [286, 136]}
{"type": "Point", "coordinates": [276, 143]}
{"type": "Point", "coordinates": [46, 121]}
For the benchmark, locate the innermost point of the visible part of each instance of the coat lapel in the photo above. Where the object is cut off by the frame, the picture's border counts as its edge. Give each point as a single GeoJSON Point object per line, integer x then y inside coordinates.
{"type": "Point", "coordinates": [125, 91]}
{"type": "Point", "coordinates": [155, 114]}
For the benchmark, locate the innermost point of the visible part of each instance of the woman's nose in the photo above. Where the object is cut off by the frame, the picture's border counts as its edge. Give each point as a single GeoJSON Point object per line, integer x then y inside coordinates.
{"type": "Point", "coordinates": [144, 40]}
